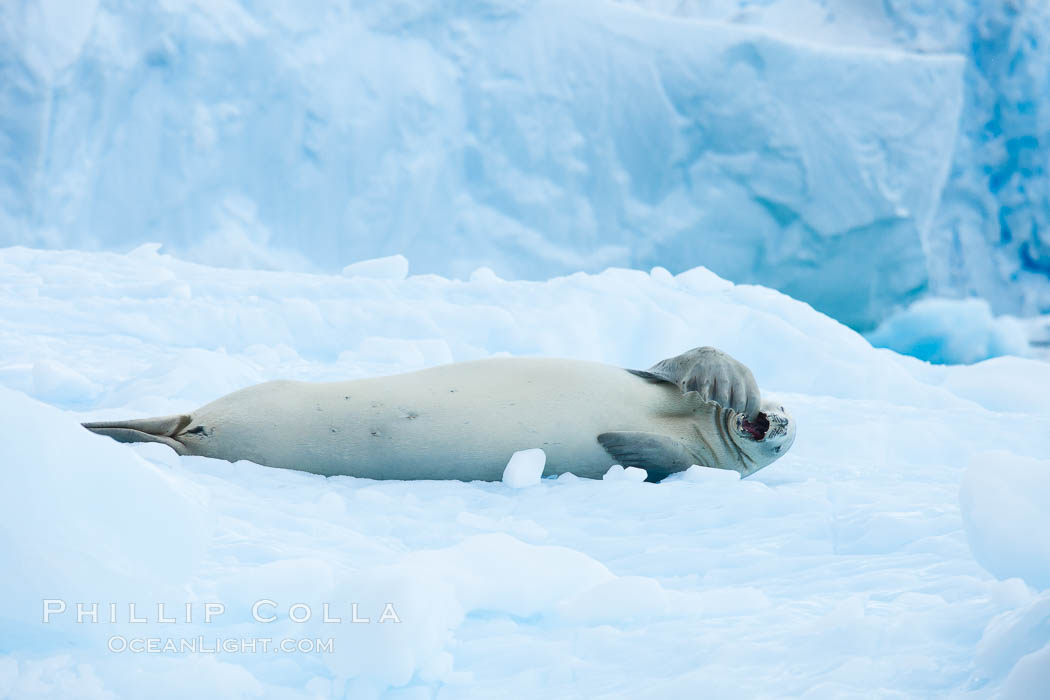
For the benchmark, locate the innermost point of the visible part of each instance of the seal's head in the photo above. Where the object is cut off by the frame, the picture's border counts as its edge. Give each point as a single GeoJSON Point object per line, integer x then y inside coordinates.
{"type": "Point", "coordinates": [766, 438]}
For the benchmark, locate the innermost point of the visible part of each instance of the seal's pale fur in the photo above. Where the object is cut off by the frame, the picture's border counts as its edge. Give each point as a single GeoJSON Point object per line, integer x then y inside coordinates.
{"type": "Point", "coordinates": [462, 421]}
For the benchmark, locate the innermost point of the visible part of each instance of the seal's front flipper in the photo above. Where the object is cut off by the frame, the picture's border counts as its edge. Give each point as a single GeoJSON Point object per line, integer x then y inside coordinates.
{"type": "Point", "coordinates": [162, 429]}
{"type": "Point", "coordinates": [658, 455]}
{"type": "Point", "coordinates": [713, 374]}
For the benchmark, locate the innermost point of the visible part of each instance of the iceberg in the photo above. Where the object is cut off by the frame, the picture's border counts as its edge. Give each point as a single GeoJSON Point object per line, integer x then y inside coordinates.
{"type": "Point", "coordinates": [989, 234]}
{"type": "Point", "coordinates": [532, 138]}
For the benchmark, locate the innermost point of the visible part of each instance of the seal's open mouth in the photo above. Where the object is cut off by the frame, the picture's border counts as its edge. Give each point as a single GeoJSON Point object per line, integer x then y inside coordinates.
{"type": "Point", "coordinates": [757, 429]}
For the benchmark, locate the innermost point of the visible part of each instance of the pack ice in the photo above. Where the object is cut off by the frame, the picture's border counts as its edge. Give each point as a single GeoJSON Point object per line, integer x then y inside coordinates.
{"type": "Point", "coordinates": [897, 549]}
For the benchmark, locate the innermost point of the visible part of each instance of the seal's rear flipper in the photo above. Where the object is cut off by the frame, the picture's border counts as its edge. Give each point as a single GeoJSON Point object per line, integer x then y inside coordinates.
{"type": "Point", "coordinates": [658, 455]}
{"type": "Point", "coordinates": [162, 429]}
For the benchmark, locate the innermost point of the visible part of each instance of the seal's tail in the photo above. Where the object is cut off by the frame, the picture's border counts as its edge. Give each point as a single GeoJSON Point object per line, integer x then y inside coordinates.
{"type": "Point", "coordinates": [163, 429]}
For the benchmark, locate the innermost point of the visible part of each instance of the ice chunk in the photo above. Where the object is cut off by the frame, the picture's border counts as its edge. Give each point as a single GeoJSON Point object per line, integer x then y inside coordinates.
{"type": "Point", "coordinates": [436, 589]}
{"type": "Point", "coordinates": [619, 473]}
{"type": "Point", "coordinates": [1013, 635]}
{"type": "Point", "coordinates": [700, 474]}
{"type": "Point", "coordinates": [86, 518]}
{"type": "Point", "coordinates": [1007, 384]}
{"type": "Point", "coordinates": [484, 274]}
{"type": "Point", "coordinates": [525, 468]}
{"type": "Point", "coordinates": [393, 267]}
{"type": "Point", "coordinates": [951, 331]}
{"type": "Point", "coordinates": [58, 384]}
{"type": "Point", "coordinates": [1029, 678]}
{"type": "Point", "coordinates": [1005, 500]}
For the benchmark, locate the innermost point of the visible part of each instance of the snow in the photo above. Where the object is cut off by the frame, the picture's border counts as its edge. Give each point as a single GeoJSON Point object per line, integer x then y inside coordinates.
{"type": "Point", "coordinates": [525, 468]}
{"type": "Point", "coordinates": [855, 565]}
